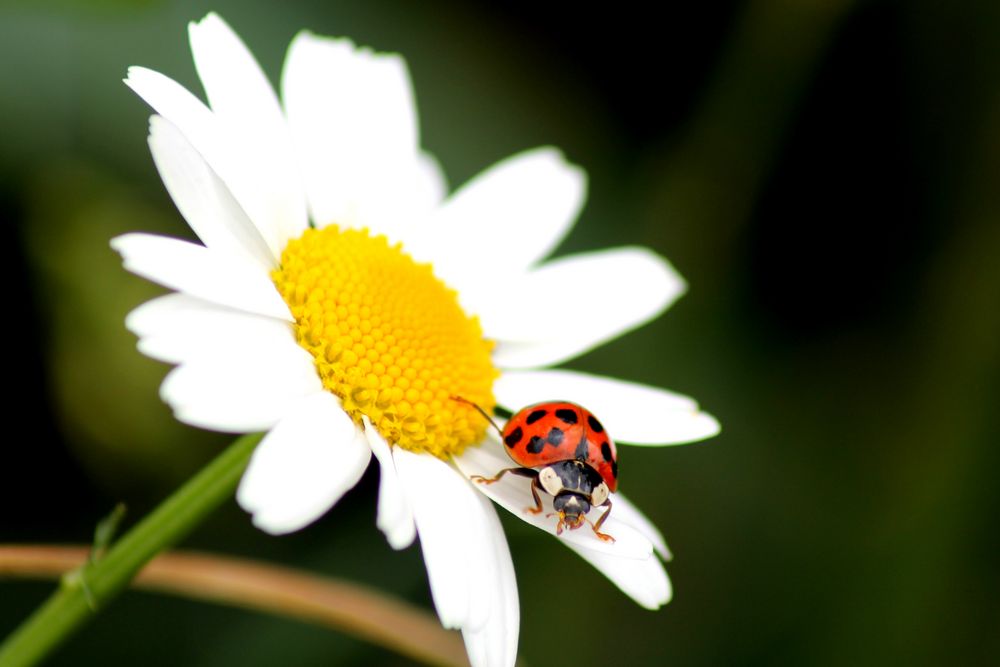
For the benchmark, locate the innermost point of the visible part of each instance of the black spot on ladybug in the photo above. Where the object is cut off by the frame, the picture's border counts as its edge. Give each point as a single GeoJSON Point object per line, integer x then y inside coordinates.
{"type": "Point", "coordinates": [595, 425]}
{"type": "Point", "coordinates": [535, 445]}
{"type": "Point", "coordinates": [614, 469]}
{"type": "Point", "coordinates": [535, 416]}
{"type": "Point", "coordinates": [555, 436]}
{"type": "Point", "coordinates": [582, 449]}
{"type": "Point", "coordinates": [567, 415]}
{"type": "Point", "coordinates": [514, 437]}
{"type": "Point", "coordinates": [606, 451]}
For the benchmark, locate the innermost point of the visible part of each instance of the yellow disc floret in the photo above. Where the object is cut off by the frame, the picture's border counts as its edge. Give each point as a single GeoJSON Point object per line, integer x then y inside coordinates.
{"type": "Point", "coordinates": [389, 338]}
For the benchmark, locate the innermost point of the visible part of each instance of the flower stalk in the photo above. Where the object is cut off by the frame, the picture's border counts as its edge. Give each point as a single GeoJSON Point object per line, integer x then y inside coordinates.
{"type": "Point", "coordinates": [84, 591]}
{"type": "Point", "coordinates": [336, 604]}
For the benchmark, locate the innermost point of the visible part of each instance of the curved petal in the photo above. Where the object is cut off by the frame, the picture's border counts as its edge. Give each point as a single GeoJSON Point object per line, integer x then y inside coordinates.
{"type": "Point", "coordinates": [188, 113]}
{"type": "Point", "coordinates": [514, 494]}
{"type": "Point", "coordinates": [440, 503]}
{"type": "Point", "coordinates": [202, 198]}
{"type": "Point", "coordinates": [215, 142]}
{"type": "Point", "coordinates": [632, 412]}
{"type": "Point", "coordinates": [434, 186]}
{"type": "Point", "coordinates": [524, 204]}
{"type": "Point", "coordinates": [354, 125]}
{"type": "Point", "coordinates": [521, 208]}
{"type": "Point", "coordinates": [244, 102]}
{"type": "Point", "coordinates": [458, 541]}
{"type": "Point", "coordinates": [496, 642]}
{"type": "Point", "coordinates": [630, 514]}
{"type": "Point", "coordinates": [303, 466]}
{"type": "Point", "coordinates": [395, 518]}
{"type": "Point", "coordinates": [202, 273]}
{"type": "Point", "coordinates": [177, 328]}
{"type": "Point", "coordinates": [645, 581]}
{"type": "Point", "coordinates": [241, 393]}
{"type": "Point", "coordinates": [609, 293]}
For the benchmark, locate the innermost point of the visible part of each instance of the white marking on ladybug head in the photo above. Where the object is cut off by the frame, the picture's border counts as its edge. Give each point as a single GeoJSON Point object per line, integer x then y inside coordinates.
{"type": "Point", "coordinates": [599, 494]}
{"type": "Point", "coordinates": [550, 481]}
{"type": "Point", "coordinates": [573, 511]}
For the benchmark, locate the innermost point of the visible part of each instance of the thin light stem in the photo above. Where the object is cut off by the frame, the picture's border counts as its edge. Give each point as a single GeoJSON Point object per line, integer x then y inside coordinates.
{"type": "Point", "coordinates": [340, 605]}
{"type": "Point", "coordinates": [85, 590]}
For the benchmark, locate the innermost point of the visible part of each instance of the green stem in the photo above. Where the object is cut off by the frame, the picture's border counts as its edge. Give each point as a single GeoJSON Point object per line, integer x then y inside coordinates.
{"type": "Point", "coordinates": [84, 591]}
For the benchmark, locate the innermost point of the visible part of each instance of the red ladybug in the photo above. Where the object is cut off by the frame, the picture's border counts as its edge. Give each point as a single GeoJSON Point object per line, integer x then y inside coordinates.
{"type": "Point", "coordinates": [566, 453]}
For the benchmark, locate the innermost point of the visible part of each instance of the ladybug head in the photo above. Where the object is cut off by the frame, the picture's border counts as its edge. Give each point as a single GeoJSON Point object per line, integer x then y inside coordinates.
{"type": "Point", "coordinates": [572, 508]}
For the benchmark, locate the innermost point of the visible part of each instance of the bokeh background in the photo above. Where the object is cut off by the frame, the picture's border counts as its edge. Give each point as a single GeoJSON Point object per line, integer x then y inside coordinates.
{"type": "Point", "coordinates": [823, 172]}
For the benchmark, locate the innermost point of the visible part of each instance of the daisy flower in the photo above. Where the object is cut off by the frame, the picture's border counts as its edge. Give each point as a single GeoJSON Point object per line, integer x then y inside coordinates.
{"type": "Point", "coordinates": [342, 298]}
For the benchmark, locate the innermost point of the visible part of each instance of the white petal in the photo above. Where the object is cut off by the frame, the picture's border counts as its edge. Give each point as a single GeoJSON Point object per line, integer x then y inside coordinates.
{"type": "Point", "coordinates": [456, 537]}
{"type": "Point", "coordinates": [496, 642]}
{"type": "Point", "coordinates": [189, 114]}
{"type": "Point", "coordinates": [201, 272]}
{"type": "Point", "coordinates": [303, 466]}
{"type": "Point", "coordinates": [202, 198]}
{"type": "Point", "coordinates": [434, 186]}
{"type": "Point", "coordinates": [605, 293]}
{"type": "Point", "coordinates": [245, 103]}
{"type": "Point", "coordinates": [354, 125]}
{"type": "Point", "coordinates": [506, 218]}
{"type": "Point", "coordinates": [241, 392]}
{"type": "Point", "coordinates": [537, 354]}
{"type": "Point", "coordinates": [213, 140]}
{"type": "Point", "coordinates": [645, 581]}
{"type": "Point", "coordinates": [631, 412]}
{"type": "Point", "coordinates": [437, 498]}
{"type": "Point", "coordinates": [514, 494]}
{"type": "Point", "coordinates": [395, 518]}
{"type": "Point", "coordinates": [630, 514]}
{"type": "Point", "coordinates": [177, 327]}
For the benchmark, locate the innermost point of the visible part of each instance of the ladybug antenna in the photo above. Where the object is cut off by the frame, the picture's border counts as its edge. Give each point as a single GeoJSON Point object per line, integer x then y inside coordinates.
{"type": "Point", "coordinates": [481, 411]}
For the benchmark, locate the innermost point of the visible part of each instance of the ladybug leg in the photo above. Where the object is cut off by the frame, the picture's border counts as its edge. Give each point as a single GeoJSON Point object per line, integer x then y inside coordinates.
{"type": "Point", "coordinates": [523, 472]}
{"type": "Point", "coordinates": [534, 494]}
{"type": "Point", "coordinates": [596, 526]}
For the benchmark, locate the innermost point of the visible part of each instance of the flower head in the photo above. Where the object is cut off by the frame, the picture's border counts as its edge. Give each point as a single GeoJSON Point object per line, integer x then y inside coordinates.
{"type": "Point", "coordinates": [342, 299]}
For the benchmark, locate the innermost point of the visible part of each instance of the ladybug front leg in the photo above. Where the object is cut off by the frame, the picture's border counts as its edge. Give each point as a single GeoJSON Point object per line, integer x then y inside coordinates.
{"type": "Point", "coordinates": [596, 526]}
{"type": "Point", "coordinates": [523, 472]}
{"type": "Point", "coordinates": [535, 486]}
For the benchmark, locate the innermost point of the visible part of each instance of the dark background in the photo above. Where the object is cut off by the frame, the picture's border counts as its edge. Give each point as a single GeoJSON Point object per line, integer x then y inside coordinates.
{"type": "Point", "coordinates": [823, 173]}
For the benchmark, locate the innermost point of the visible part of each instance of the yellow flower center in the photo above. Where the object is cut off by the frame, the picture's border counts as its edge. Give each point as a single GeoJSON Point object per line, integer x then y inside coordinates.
{"type": "Point", "coordinates": [389, 338]}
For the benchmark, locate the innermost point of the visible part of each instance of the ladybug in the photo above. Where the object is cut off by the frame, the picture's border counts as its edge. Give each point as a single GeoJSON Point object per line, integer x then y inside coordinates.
{"type": "Point", "coordinates": [567, 454]}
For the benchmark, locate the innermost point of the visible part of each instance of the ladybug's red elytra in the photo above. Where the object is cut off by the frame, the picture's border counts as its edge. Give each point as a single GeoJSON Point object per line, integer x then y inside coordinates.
{"type": "Point", "coordinates": [566, 453]}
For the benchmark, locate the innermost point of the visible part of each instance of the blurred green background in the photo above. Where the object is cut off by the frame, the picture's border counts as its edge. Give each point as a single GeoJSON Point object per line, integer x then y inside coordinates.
{"type": "Point", "coordinates": [823, 172]}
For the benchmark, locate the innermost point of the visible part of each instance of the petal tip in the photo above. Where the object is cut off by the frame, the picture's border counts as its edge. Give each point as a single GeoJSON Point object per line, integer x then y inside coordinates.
{"type": "Point", "coordinates": [119, 243]}
{"type": "Point", "coordinates": [261, 522]}
{"type": "Point", "coordinates": [208, 21]}
{"type": "Point", "coordinates": [704, 426]}
{"type": "Point", "coordinates": [132, 73]}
